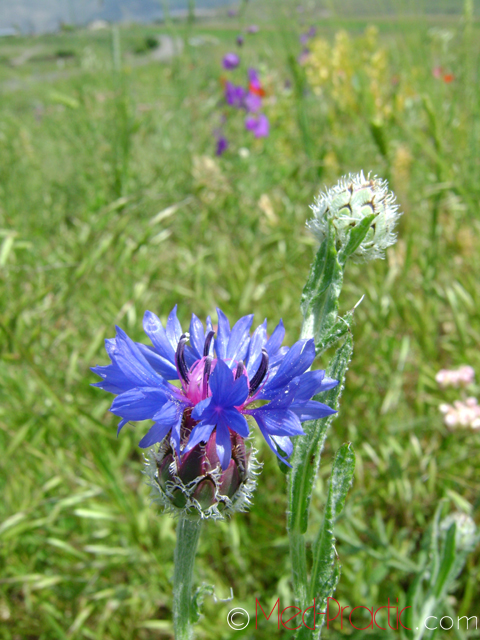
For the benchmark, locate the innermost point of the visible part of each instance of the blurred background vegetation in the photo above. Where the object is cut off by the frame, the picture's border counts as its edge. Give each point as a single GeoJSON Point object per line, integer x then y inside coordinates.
{"type": "Point", "coordinates": [112, 201]}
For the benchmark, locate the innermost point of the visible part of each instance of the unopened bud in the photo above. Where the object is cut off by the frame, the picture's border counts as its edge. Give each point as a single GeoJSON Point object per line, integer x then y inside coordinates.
{"type": "Point", "coordinates": [349, 202]}
{"type": "Point", "coordinates": [466, 529]}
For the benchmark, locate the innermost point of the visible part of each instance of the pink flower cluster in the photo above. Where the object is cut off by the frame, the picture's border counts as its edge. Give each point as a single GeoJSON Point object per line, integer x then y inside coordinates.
{"type": "Point", "coordinates": [462, 414]}
{"type": "Point", "coordinates": [461, 377]}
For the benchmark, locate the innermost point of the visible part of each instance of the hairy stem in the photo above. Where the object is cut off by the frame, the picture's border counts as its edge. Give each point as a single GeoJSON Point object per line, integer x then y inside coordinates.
{"type": "Point", "coordinates": [188, 533]}
{"type": "Point", "coordinates": [299, 567]}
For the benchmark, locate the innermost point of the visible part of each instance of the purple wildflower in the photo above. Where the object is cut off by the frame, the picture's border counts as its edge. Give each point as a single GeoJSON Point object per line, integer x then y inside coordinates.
{"type": "Point", "coordinates": [234, 95]}
{"type": "Point", "coordinates": [222, 380]}
{"type": "Point", "coordinates": [253, 28]}
{"type": "Point", "coordinates": [232, 13]}
{"type": "Point", "coordinates": [230, 61]}
{"type": "Point", "coordinates": [312, 32]}
{"type": "Point", "coordinates": [259, 125]}
{"type": "Point", "coordinates": [222, 145]}
{"type": "Point", "coordinates": [252, 103]}
{"type": "Point", "coordinates": [240, 40]}
{"type": "Point", "coordinates": [253, 79]}
{"type": "Point", "coordinates": [254, 84]}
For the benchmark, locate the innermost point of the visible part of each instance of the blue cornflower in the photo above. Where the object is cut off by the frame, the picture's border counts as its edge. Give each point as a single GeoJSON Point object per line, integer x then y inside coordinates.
{"type": "Point", "coordinates": [222, 380]}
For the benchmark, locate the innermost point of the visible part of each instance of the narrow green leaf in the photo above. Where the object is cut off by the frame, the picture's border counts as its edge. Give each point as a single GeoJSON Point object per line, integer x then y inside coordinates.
{"type": "Point", "coordinates": [434, 537]}
{"type": "Point", "coordinates": [447, 562]}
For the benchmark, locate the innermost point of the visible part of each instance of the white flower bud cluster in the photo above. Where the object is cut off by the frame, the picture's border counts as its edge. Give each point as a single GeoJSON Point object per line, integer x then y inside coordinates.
{"type": "Point", "coordinates": [462, 414]}
{"type": "Point", "coordinates": [466, 529]}
{"type": "Point", "coordinates": [346, 204]}
{"type": "Point", "coordinates": [461, 377]}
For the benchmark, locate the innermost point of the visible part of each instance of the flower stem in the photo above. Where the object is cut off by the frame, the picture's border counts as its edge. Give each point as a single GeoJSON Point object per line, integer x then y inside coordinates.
{"type": "Point", "coordinates": [299, 567]}
{"type": "Point", "coordinates": [188, 533]}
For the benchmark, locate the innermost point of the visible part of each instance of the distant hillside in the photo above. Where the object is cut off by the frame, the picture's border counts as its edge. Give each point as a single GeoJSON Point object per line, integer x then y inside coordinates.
{"type": "Point", "coordinates": [38, 16]}
{"type": "Point", "coordinates": [46, 15]}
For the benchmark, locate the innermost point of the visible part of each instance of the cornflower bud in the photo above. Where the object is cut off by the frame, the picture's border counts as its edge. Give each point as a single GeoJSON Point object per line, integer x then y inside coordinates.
{"type": "Point", "coordinates": [349, 202]}
{"type": "Point", "coordinates": [466, 529]}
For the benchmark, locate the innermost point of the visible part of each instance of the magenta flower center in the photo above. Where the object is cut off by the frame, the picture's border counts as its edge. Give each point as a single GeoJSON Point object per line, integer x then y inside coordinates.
{"type": "Point", "coordinates": [195, 380]}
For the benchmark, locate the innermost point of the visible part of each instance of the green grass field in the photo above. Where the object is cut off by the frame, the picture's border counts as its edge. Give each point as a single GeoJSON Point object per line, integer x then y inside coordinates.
{"type": "Point", "coordinates": [112, 202]}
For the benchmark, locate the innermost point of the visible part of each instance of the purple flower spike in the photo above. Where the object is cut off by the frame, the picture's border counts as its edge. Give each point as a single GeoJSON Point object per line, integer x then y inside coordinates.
{"type": "Point", "coordinates": [240, 40]}
{"type": "Point", "coordinates": [222, 145]}
{"type": "Point", "coordinates": [260, 125]}
{"type": "Point", "coordinates": [312, 32]}
{"type": "Point", "coordinates": [230, 61]}
{"type": "Point", "coordinates": [222, 380]}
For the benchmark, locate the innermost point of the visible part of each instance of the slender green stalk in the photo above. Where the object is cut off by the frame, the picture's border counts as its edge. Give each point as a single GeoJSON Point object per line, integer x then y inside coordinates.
{"type": "Point", "coordinates": [298, 558]}
{"type": "Point", "coordinates": [188, 533]}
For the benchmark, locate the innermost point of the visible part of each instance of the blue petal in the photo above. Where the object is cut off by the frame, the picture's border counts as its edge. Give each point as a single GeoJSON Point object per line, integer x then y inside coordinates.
{"type": "Point", "coordinates": [201, 433]}
{"type": "Point", "coordinates": [275, 341]}
{"type": "Point", "coordinates": [223, 335]}
{"type": "Point", "coordinates": [224, 446]}
{"type": "Point", "coordinates": [133, 364]}
{"type": "Point", "coordinates": [139, 404]}
{"type": "Point", "coordinates": [197, 337]}
{"type": "Point", "coordinates": [221, 381]}
{"type": "Point", "coordinates": [327, 383]}
{"type": "Point", "coordinates": [297, 361]}
{"type": "Point", "coordinates": [270, 441]}
{"type": "Point", "coordinates": [277, 422]}
{"type": "Point", "coordinates": [233, 419]}
{"type": "Point", "coordinates": [155, 331]}
{"type": "Point", "coordinates": [311, 383]}
{"type": "Point", "coordinates": [174, 329]}
{"type": "Point", "coordinates": [121, 424]}
{"type": "Point", "coordinates": [237, 394]}
{"type": "Point", "coordinates": [311, 410]}
{"type": "Point", "coordinates": [239, 340]}
{"type": "Point", "coordinates": [284, 443]}
{"type": "Point", "coordinates": [203, 409]}
{"type": "Point", "coordinates": [209, 324]}
{"type": "Point", "coordinates": [170, 414]}
{"type": "Point", "coordinates": [110, 346]}
{"type": "Point", "coordinates": [254, 355]}
{"type": "Point", "coordinates": [114, 380]}
{"type": "Point", "coordinates": [276, 360]}
{"type": "Point", "coordinates": [158, 363]}
{"type": "Point", "coordinates": [175, 440]}
{"type": "Point", "coordinates": [156, 434]}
